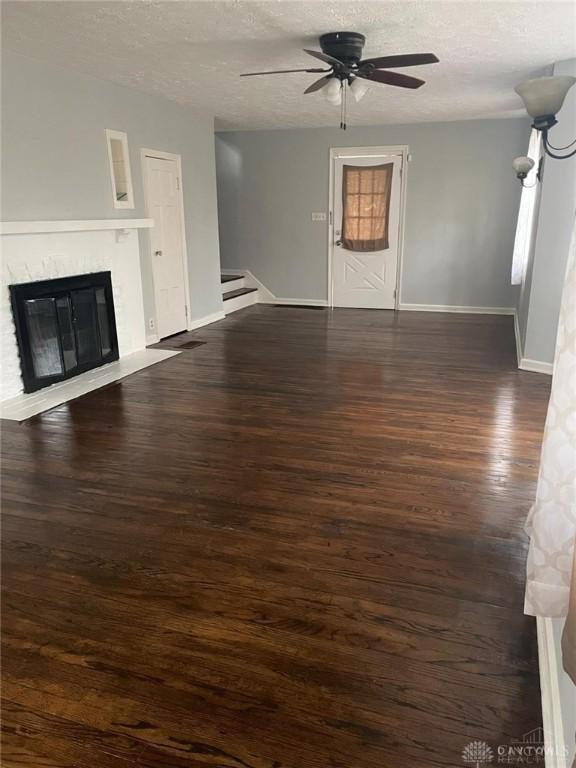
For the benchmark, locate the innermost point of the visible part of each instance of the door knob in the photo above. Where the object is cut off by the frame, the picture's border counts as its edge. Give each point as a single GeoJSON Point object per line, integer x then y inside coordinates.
{"type": "Point", "coordinates": [338, 242]}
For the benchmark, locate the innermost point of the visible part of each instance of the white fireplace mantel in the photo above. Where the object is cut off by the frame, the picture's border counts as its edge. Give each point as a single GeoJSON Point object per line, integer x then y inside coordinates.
{"type": "Point", "coordinates": [48, 250]}
{"type": "Point", "coordinates": [92, 225]}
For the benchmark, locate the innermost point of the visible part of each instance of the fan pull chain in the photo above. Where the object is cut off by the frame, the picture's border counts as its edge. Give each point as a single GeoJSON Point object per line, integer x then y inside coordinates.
{"type": "Point", "coordinates": [343, 105]}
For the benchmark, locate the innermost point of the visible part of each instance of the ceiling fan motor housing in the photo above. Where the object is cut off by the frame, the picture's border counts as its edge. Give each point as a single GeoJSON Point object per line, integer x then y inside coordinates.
{"type": "Point", "coordinates": [345, 46]}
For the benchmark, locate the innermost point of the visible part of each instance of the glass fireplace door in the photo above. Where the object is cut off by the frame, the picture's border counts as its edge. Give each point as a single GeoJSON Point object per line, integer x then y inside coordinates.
{"type": "Point", "coordinates": [64, 327]}
{"type": "Point", "coordinates": [85, 320]}
{"type": "Point", "coordinates": [44, 334]}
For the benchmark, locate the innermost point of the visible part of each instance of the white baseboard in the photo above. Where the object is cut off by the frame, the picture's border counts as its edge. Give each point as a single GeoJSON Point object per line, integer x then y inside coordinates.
{"type": "Point", "coordinates": [524, 363]}
{"type": "Point", "coordinates": [153, 338]}
{"type": "Point", "coordinates": [459, 309]}
{"type": "Point", "coordinates": [206, 320]}
{"type": "Point", "coordinates": [550, 669]}
{"type": "Point", "coordinates": [536, 366]}
{"type": "Point", "coordinates": [265, 296]}
{"type": "Point", "coordinates": [298, 302]}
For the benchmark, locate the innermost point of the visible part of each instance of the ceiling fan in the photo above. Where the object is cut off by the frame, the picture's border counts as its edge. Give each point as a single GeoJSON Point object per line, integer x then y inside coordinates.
{"type": "Point", "coordinates": [342, 51]}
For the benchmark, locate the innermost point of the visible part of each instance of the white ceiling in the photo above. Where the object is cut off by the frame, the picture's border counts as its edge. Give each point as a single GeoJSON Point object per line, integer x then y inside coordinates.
{"type": "Point", "coordinates": [192, 52]}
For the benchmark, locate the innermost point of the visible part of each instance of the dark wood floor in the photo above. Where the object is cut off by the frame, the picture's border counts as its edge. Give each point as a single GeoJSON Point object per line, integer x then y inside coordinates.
{"type": "Point", "coordinates": [296, 546]}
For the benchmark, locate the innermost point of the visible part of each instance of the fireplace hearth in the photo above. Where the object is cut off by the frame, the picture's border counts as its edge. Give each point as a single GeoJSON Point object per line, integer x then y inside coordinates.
{"type": "Point", "coordinates": [64, 327]}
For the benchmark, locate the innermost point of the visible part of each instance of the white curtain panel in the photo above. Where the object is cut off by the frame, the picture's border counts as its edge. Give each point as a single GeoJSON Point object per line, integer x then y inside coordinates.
{"type": "Point", "coordinates": [552, 520]}
{"type": "Point", "coordinates": [526, 213]}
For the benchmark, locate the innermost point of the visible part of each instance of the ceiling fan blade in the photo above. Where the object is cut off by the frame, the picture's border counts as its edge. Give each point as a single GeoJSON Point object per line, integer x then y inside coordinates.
{"type": "Point", "coordinates": [324, 57]}
{"type": "Point", "coordinates": [317, 84]}
{"type": "Point", "coordinates": [390, 78]}
{"type": "Point", "coordinates": [282, 72]}
{"type": "Point", "coordinates": [403, 60]}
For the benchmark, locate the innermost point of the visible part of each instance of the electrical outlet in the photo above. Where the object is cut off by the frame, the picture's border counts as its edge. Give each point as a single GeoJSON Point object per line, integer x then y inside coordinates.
{"type": "Point", "coordinates": [151, 323]}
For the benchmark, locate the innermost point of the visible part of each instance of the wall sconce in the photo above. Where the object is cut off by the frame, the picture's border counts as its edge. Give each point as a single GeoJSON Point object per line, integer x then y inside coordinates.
{"type": "Point", "coordinates": [523, 166]}
{"type": "Point", "coordinates": [543, 98]}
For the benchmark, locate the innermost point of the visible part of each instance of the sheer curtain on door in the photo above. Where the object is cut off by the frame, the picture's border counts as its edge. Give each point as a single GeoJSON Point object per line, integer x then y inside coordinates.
{"type": "Point", "coordinates": [366, 207]}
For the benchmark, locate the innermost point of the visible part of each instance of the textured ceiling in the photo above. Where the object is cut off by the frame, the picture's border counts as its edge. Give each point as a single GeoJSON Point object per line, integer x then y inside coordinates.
{"type": "Point", "coordinates": [192, 52]}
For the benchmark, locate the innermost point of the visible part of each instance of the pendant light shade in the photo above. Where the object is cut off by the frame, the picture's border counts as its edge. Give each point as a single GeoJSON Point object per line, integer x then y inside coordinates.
{"type": "Point", "coordinates": [523, 165]}
{"type": "Point", "coordinates": [333, 91]}
{"type": "Point", "coordinates": [359, 88]}
{"type": "Point", "coordinates": [544, 96]}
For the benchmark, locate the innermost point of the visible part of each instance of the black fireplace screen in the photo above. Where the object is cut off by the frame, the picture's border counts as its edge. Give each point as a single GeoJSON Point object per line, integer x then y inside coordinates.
{"type": "Point", "coordinates": [64, 327]}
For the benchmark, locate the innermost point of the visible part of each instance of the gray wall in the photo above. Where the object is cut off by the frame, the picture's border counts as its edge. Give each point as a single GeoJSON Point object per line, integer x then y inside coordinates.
{"type": "Point", "coordinates": [540, 306]}
{"type": "Point", "coordinates": [462, 204]}
{"type": "Point", "coordinates": [55, 161]}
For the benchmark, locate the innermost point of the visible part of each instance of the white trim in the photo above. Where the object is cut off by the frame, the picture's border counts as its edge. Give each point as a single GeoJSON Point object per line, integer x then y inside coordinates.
{"type": "Point", "coordinates": [123, 139]}
{"type": "Point", "coordinates": [240, 302]}
{"type": "Point", "coordinates": [550, 694]}
{"type": "Point", "coordinates": [297, 302]}
{"type": "Point", "coordinates": [267, 297]}
{"type": "Point", "coordinates": [329, 288]}
{"type": "Point", "coordinates": [264, 295]}
{"type": "Point", "coordinates": [90, 225]}
{"type": "Point", "coordinates": [456, 308]}
{"type": "Point", "coordinates": [251, 281]}
{"type": "Point", "coordinates": [536, 366]}
{"type": "Point", "coordinates": [144, 153]}
{"type": "Point", "coordinates": [206, 320]}
{"type": "Point", "coordinates": [368, 151]}
{"type": "Point", "coordinates": [524, 363]}
{"type": "Point", "coordinates": [152, 339]}
{"type": "Point", "coordinates": [396, 150]}
{"type": "Point", "coordinates": [518, 338]}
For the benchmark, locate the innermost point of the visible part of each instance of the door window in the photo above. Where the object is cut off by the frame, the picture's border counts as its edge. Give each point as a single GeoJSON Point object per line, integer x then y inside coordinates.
{"type": "Point", "coordinates": [366, 206]}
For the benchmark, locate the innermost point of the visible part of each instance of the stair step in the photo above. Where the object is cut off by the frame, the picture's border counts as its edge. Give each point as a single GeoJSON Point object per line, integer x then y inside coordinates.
{"type": "Point", "coordinates": [237, 292]}
{"type": "Point", "coordinates": [229, 278]}
{"type": "Point", "coordinates": [232, 285]}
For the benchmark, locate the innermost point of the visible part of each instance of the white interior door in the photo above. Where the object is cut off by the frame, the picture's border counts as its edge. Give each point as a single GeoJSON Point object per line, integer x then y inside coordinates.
{"type": "Point", "coordinates": [164, 206]}
{"type": "Point", "coordinates": [365, 231]}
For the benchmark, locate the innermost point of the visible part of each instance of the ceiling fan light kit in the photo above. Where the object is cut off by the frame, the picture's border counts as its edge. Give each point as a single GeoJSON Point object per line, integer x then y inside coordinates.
{"type": "Point", "coordinates": [342, 52]}
{"type": "Point", "coordinates": [543, 98]}
{"type": "Point", "coordinates": [359, 88]}
{"type": "Point", "coordinates": [332, 91]}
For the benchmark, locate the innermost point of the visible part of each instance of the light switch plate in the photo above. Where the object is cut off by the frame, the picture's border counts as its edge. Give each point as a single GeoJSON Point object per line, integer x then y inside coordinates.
{"type": "Point", "coordinates": [318, 216]}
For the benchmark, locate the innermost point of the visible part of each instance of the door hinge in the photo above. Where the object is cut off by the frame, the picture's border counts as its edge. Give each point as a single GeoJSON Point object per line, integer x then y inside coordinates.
{"type": "Point", "coordinates": [186, 310]}
{"type": "Point", "coordinates": [178, 183]}
{"type": "Point", "coordinates": [394, 292]}
{"type": "Point", "coordinates": [330, 218]}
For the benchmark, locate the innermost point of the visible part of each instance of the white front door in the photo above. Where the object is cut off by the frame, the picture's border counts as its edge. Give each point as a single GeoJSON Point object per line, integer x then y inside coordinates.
{"type": "Point", "coordinates": [164, 206]}
{"type": "Point", "coordinates": [365, 232]}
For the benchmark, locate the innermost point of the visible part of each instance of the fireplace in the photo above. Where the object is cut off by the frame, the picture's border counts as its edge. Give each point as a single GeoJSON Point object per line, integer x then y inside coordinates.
{"type": "Point", "coordinates": [64, 327]}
